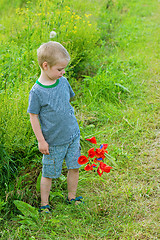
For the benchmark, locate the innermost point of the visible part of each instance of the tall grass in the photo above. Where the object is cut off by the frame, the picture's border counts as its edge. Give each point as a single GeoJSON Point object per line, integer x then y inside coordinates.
{"type": "Point", "coordinates": [28, 26]}
{"type": "Point", "coordinates": [31, 26]}
{"type": "Point", "coordinates": [79, 31]}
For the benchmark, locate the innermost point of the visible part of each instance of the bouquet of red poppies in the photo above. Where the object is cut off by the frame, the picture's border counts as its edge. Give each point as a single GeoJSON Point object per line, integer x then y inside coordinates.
{"type": "Point", "coordinates": [95, 158]}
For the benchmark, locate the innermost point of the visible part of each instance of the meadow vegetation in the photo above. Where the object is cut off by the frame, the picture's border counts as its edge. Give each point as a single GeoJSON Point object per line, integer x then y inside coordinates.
{"type": "Point", "coordinates": [114, 71]}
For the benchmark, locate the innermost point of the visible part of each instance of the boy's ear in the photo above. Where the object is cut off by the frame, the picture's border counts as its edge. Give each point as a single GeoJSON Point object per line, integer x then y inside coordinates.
{"type": "Point", "coordinates": [45, 65]}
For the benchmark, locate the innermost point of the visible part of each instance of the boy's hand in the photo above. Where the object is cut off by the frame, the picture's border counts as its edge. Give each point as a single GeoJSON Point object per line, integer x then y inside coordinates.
{"type": "Point", "coordinates": [43, 147]}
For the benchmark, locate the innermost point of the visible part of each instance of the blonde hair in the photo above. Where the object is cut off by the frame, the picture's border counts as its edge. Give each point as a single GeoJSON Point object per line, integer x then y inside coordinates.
{"type": "Point", "coordinates": [52, 53]}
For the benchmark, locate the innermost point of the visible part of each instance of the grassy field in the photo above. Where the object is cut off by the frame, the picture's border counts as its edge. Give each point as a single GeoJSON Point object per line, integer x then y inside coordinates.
{"type": "Point", "coordinates": [114, 71]}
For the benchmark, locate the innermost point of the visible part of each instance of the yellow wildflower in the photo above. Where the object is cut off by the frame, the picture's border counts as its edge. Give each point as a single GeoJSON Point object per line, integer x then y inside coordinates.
{"type": "Point", "coordinates": [17, 10]}
{"type": "Point", "coordinates": [87, 15]}
{"type": "Point", "coordinates": [77, 17]}
{"type": "Point", "coordinates": [67, 7]}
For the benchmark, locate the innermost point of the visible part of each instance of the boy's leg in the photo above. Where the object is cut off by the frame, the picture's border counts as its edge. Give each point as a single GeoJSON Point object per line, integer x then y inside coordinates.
{"type": "Point", "coordinates": [72, 182]}
{"type": "Point", "coordinates": [45, 190]}
{"type": "Point", "coordinates": [52, 166]}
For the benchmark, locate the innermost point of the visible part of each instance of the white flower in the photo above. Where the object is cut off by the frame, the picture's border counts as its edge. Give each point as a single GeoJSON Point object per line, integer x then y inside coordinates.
{"type": "Point", "coordinates": [53, 34]}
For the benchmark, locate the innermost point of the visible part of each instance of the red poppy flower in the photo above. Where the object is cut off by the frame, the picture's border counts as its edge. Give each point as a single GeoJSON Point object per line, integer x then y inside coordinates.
{"type": "Point", "coordinates": [88, 167]}
{"type": "Point", "coordinates": [104, 167]}
{"type": "Point", "coordinates": [93, 165]}
{"type": "Point", "coordinates": [91, 153]}
{"type": "Point", "coordinates": [82, 160]}
{"type": "Point", "coordinates": [100, 152]}
{"type": "Point", "coordinates": [95, 160]}
{"type": "Point", "coordinates": [99, 171]}
{"type": "Point", "coordinates": [92, 140]}
{"type": "Point", "coordinates": [105, 145]}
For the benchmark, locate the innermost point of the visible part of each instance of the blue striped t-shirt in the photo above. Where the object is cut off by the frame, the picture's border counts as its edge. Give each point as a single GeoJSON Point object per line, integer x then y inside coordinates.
{"type": "Point", "coordinates": [52, 104]}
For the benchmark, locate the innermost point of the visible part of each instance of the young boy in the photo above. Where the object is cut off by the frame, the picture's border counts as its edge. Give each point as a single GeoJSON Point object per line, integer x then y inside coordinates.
{"type": "Point", "coordinates": [53, 121]}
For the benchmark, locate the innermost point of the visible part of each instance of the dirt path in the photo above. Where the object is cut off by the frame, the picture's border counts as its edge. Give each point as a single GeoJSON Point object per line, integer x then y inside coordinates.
{"type": "Point", "coordinates": [150, 159]}
{"type": "Point", "coordinates": [146, 186]}
{"type": "Point", "coordinates": [150, 154]}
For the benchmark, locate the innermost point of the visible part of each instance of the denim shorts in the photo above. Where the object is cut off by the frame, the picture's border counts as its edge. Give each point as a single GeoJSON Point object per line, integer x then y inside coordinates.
{"type": "Point", "coordinates": [52, 163]}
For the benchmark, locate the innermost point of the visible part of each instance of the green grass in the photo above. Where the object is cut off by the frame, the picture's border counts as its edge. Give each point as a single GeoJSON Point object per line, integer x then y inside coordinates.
{"type": "Point", "coordinates": [118, 102]}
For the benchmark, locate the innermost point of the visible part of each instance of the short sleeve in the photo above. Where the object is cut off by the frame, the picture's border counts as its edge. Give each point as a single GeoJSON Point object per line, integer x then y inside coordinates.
{"type": "Point", "coordinates": [72, 94]}
{"type": "Point", "coordinates": [34, 104]}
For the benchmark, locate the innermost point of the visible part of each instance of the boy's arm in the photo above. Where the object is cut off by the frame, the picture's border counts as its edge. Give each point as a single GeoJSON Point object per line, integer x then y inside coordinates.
{"type": "Point", "coordinates": [42, 144]}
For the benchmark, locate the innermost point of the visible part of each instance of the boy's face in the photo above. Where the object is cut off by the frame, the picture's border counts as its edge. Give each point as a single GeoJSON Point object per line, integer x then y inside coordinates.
{"type": "Point", "coordinates": [55, 72]}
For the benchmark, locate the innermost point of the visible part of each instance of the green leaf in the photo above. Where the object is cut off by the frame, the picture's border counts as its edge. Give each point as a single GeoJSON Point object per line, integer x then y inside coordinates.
{"type": "Point", "coordinates": [26, 209]}
{"type": "Point", "coordinates": [56, 194]}
{"type": "Point", "coordinates": [62, 178]}
{"type": "Point", "coordinates": [2, 204]}
{"type": "Point", "coordinates": [38, 182]}
{"type": "Point", "coordinates": [124, 88]}
{"type": "Point", "coordinates": [28, 222]}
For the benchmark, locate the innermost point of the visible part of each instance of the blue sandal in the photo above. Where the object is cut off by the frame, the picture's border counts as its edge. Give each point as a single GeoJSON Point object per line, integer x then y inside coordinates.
{"type": "Point", "coordinates": [45, 209]}
{"type": "Point", "coordinates": [73, 200]}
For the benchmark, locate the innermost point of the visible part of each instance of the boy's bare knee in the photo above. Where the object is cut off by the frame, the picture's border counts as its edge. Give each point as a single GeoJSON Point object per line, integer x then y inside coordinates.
{"type": "Point", "coordinates": [76, 170]}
